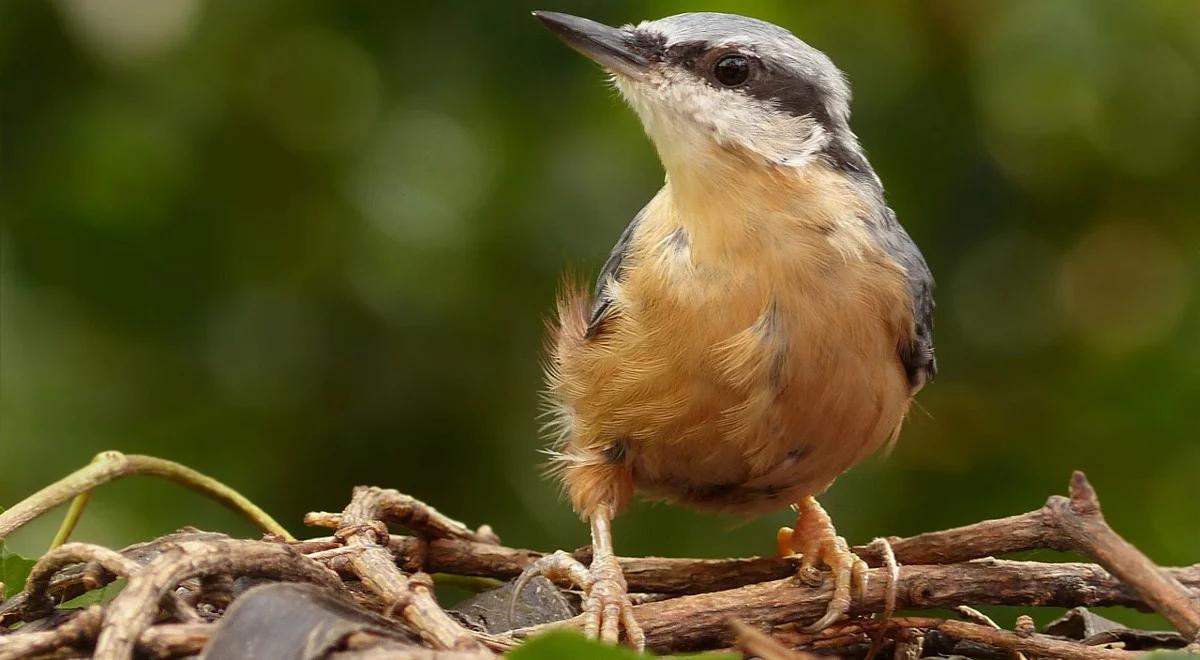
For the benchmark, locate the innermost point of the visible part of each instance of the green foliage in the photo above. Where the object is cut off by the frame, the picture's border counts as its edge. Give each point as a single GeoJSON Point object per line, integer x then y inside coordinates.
{"type": "Point", "coordinates": [14, 569]}
{"type": "Point", "coordinates": [99, 596]}
{"type": "Point", "coordinates": [570, 644]}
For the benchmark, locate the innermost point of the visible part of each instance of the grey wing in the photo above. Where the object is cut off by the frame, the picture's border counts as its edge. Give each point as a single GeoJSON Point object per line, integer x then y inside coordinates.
{"type": "Point", "coordinates": [918, 355]}
{"type": "Point", "coordinates": [609, 273]}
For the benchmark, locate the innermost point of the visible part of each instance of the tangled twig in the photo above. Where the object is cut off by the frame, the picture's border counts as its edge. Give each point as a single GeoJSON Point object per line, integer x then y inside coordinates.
{"type": "Point", "coordinates": [687, 604]}
{"type": "Point", "coordinates": [412, 596]}
{"type": "Point", "coordinates": [133, 610]}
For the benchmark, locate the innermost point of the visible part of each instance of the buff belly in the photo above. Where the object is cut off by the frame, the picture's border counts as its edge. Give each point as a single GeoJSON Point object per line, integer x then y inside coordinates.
{"type": "Point", "coordinates": [768, 420]}
{"type": "Point", "coordinates": [737, 376]}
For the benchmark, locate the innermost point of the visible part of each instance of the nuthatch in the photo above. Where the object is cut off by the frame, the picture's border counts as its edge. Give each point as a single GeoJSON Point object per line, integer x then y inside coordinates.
{"type": "Point", "coordinates": [763, 323]}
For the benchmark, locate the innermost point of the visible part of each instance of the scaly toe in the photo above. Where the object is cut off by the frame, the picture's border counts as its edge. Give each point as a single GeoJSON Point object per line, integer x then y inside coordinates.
{"type": "Point", "coordinates": [847, 568]}
{"type": "Point", "coordinates": [607, 610]}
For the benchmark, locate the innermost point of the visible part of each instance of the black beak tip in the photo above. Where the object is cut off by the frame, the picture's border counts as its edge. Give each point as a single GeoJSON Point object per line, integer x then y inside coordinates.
{"type": "Point", "coordinates": [551, 19]}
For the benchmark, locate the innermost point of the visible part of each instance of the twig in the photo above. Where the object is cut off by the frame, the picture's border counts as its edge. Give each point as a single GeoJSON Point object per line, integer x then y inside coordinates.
{"type": "Point", "coordinates": [133, 610]}
{"type": "Point", "coordinates": [850, 629]}
{"type": "Point", "coordinates": [1037, 645]}
{"type": "Point", "coordinates": [113, 563]}
{"type": "Point", "coordinates": [76, 631]}
{"type": "Point", "coordinates": [971, 614]}
{"type": "Point", "coordinates": [646, 574]}
{"type": "Point", "coordinates": [698, 621]}
{"type": "Point", "coordinates": [111, 465]}
{"type": "Point", "coordinates": [1080, 519]}
{"type": "Point", "coordinates": [666, 575]}
{"type": "Point", "coordinates": [754, 642]}
{"type": "Point", "coordinates": [161, 641]}
{"type": "Point", "coordinates": [78, 504]}
{"type": "Point", "coordinates": [72, 581]}
{"type": "Point", "coordinates": [389, 572]}
{"type": "Point", "coordinates": [376, 567]}
{"type": "Point", "coordinates": [174, 639]}
{"type": "Point", "coordinates": [975, 616]}
{"type": "Point", "coordinates": [400, 509]}
{"type": "Point", "coordinates": [38, 601]}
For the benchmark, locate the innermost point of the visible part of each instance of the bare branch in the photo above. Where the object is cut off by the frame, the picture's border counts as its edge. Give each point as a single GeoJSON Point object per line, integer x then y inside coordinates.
{"type": "Point", "coordinates": [699, 621]}
{"type": "Point", "coordinates": [133, 610]}
{"type": "Point", "coordinates": [376, 567]}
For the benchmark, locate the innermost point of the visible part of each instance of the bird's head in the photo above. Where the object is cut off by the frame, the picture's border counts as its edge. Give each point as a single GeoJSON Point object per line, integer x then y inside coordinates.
{"type": "Point", "coordinates": [708, 86]}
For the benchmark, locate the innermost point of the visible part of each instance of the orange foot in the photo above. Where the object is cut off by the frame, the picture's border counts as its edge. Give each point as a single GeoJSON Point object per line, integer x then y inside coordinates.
{"type": "Point", "coordinates": [817, 542]}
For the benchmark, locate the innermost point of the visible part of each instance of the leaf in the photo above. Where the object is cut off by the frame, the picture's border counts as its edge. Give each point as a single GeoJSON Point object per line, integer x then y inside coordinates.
{"type": "Point", "coordinates": [571, 644]}
{"type": "Point", "coordinates": [99, 596]}
{"type": "Point", "coordinates": [14, 569]}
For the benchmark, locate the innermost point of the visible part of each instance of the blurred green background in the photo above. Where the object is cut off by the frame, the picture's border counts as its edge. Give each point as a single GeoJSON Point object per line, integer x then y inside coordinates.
{"type": "Point", "coordinates": [305, 245]}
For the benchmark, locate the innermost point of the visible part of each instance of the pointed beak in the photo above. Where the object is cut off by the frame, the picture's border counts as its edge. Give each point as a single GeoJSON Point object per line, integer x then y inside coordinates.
{"type": "Point", "coordinates": [607, 46]}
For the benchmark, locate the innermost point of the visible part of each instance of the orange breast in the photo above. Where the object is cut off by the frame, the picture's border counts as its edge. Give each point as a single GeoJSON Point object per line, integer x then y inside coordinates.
{"type": "Point", "coordinates": [737, 373]}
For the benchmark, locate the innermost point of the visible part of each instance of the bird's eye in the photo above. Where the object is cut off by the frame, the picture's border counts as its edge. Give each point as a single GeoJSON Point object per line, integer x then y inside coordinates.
{"type": "Point", "coordinates": [732, 70]}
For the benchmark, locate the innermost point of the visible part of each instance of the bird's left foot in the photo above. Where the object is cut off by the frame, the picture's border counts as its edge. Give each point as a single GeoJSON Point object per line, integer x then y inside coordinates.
{"type": "Point", "coordinates": [817, 542]}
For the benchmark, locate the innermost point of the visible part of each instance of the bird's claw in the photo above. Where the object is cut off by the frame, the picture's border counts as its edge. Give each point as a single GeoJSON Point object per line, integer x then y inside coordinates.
{"type": "Point", "coordinates": [606, 605]}
{"type": "Point", "coordinates": [816, 542]}
{"type": "Point", "coordinates": [848, 570]}
{"type": "Point", "coordinates": [606, 610]}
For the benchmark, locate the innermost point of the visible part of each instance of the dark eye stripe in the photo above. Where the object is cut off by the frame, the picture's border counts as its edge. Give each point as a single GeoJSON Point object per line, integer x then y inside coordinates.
{"type": "Point", "coordinates": [789, 90]}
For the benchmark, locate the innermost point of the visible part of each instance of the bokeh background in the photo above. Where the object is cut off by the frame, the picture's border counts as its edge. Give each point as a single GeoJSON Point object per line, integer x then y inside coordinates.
{"type": "Point", "coordinates": [305, 245]}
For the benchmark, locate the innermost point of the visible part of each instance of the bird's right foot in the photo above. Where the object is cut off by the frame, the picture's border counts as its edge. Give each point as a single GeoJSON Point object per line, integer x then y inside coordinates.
{"type": "Point", "coordinates": [606, 606]}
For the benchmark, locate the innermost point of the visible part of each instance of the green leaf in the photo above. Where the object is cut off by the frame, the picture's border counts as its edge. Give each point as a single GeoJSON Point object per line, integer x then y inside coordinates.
{"type": "Point", "coordinates": [571, 644]}
{"type": "Point", "coordinates": [99, 596]}
{"type": "Point", "coordinates": [14, 569]}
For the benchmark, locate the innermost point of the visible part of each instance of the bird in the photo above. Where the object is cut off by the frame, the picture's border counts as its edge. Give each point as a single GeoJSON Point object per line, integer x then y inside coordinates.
{"type": "Point", "coordinates": [761, 326]}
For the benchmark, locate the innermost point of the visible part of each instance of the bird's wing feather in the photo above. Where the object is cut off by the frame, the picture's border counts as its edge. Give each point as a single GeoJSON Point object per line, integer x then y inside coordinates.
{"type": "Point", "coordinates": [918, 354]}
{"type": "Point", "coordinates": [610, 273]}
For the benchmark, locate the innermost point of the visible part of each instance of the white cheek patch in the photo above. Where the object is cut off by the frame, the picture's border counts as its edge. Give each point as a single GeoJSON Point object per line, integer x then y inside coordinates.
{"type": "Point", "coordinates": [684, 116]}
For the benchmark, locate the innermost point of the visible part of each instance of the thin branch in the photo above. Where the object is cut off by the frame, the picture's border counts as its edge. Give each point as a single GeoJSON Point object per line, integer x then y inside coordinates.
{"type": "Point", "coordinates": [161, 641]}
{"type": "Point", "coordinates": [1080, 519]}
{"type": "Point", "coordinates": [376, 567]}
{"type": "Point", "coordinates": [133, 610]}
{"type": "Point", "coordinates": [78, 504]}
{"type": "Point", "coordinates": [101, 560]}
{"type": "Point", "coordinates": [77, 631]}
{"type": "Point", "coordinates": [71, 581]}
{"type": "Point", "coordinates": [400, 509]}
{"type": "Point", "coordinates": [754, 642]}
{"type": "Point", "coordinates": [699, 621]}
{"type": "Point", "coordinates": [111, 465]}
{"type": "Point", "coordinates": [1037, 645]}
{"type": "Point", "coordinates": [38, 602]}
{"type": "Point", "coordinates": [664, 575]}
{"type": "Point", "coordinates": [389, 573]}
